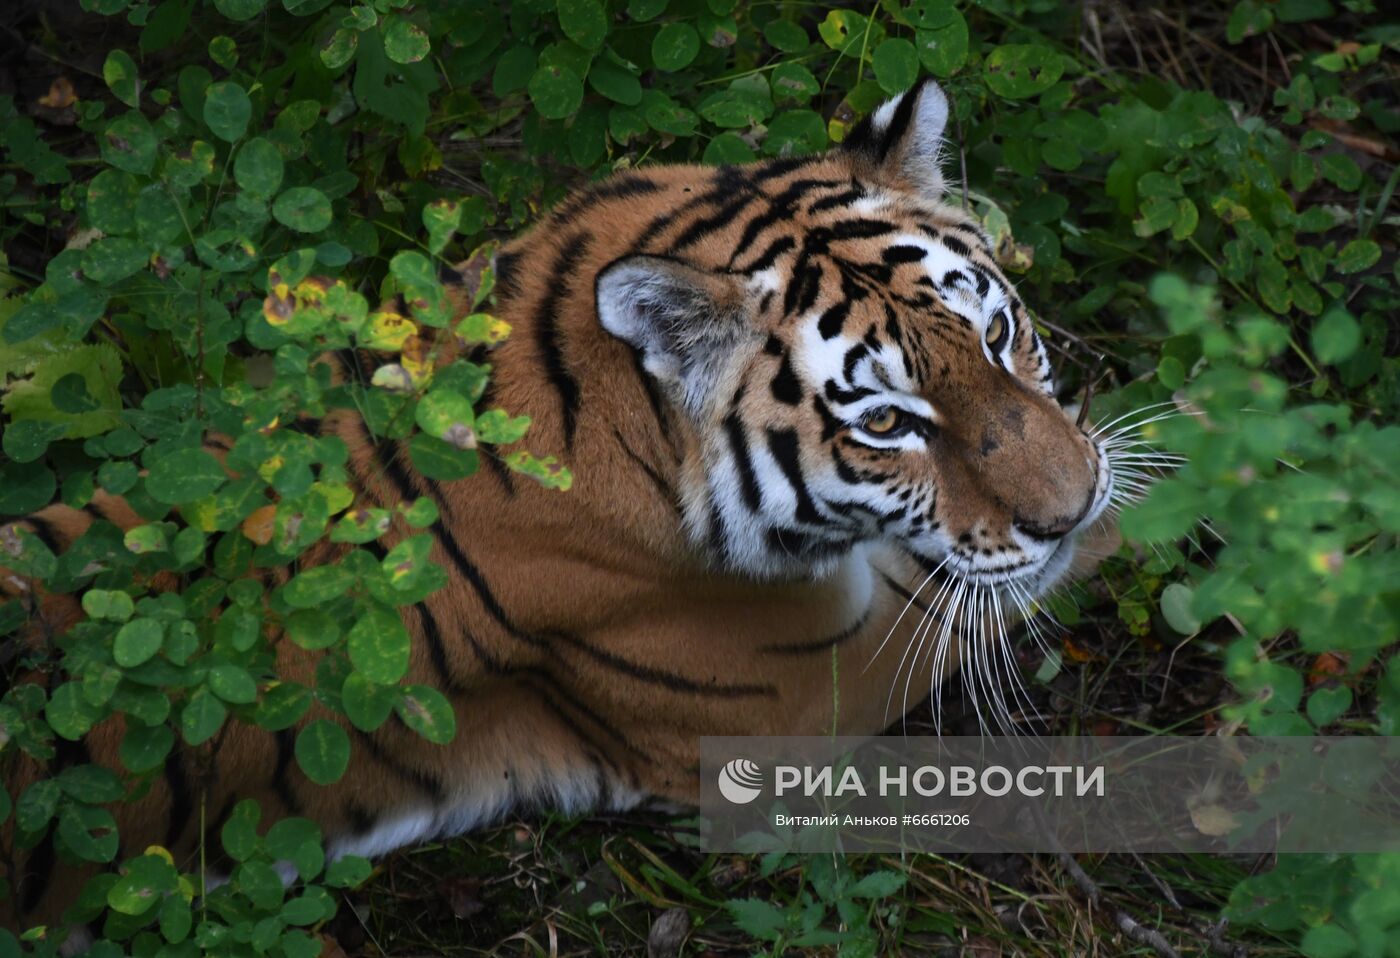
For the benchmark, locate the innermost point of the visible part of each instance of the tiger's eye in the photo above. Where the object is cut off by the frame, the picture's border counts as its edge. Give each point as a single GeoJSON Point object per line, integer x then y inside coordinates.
{"type": "Point", "coordinates": [996, 331]}
{"type": "Point", "coordinates": [882, 421]}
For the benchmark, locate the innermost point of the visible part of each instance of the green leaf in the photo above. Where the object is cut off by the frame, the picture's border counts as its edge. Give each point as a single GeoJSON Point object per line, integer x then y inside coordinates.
{"type": "Point", "coordinates": [367, 705]}
{"type": "Point", "coordinates": [896, 64]}
{"type": "Point", "coordinates": [89, 833]}
{"type": "Point", "coordinates": [323, 751]}
{"type": "Point", "coordinates": [69, 713]}
{"type": "Point", "coordinates": [37, 805]}
{"type": "Point", "coordinates": [379, 645]}
{"type": "Point", "coordinates": [282, 706]}
{"type": "Point", "coordinates": [1335, 336]}
{"type": "Point", "coordinates": [129, 144]}
{"type": "Point", "coordinates": [304, 209]}
{"type": "Point", "coordinates": [880, 884]}
{"type": "Point", "coordinates": [440, 460]}
{"type": "Point", "coordinates": [240, 10]}
{"type": "Point", "coordinates": [1175, 603]}
{"type": "Point", "coordinates": [1326, 705]}
{"type": "Point", "coordinates": [786, 36]}
{"type": "Point", "coordinates": [176, 919]}
{"type": "Point", "coordinates": [1341, 170]}
{"type": "Point", "coordinates": [404, 40]}
{"type": "Point", "coordinates": [757, 917]}
{"type": "Point", "coordinates": [728, 148]}
{"type": "Point", "coordinates": [113, 258]}
{"type": "Point", "coordinates": [428, 712]}
{"type": "Point", "coordinates": [1169, 511]}
{"type": "Point", "coordinates": [144, 747]}
{"type": "Point", "coordinates": [1328, 941]}
{"type": "Point", "coordinates": [202, 716]}
{"type": "Point", "coordinates": [1020, 70]}
{"type": "Point", "coordinates": [339, 49]}
{"type": "Point", "coordinates": [120, 74]}
{"type": "Point", "coordinates": [183, 476]}
{"type": "Point", "coordinates": [441, 218]}
{"type": "Point", "coordinates": [227, 110]}
{"type": "Point", "coordinates": [584, 22]}
{"type": "Point", "coordinates": [108, 604]}
{"type": "Point", "coordinates": [615, 83]}
{"type": "Point", "coordinates": [233, 684]}
{"type": "Point", "coordinates": [137, 641]}
{"type": "Point", "coordinates": [674, 47]}
{"type": "Point", "coordinates": [1357, 255]}
{"type": "Point", "coordinates": [942, 44]}
{"type": "Point", "coordinates": [239, 836]}
{"type": "Point", "coordinates": [556, 91]}
{"type": "Point", "coordinates": [316, 586]}
{"type": "Point", "coordinates": [312, 628]}
{"type": "Point", "coordinates": [258, 167]}
{"type": "Point", "coordinates": [348, 871]}
{"type": "Point", "coordinates": [145, 881]}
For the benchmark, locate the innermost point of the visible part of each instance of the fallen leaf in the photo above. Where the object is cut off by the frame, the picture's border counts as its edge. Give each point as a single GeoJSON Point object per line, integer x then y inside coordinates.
{"type": "Point", "coordinates": [60, 96]}
{"type": "Point", "coordinates": [258, 526]}
{"type": "Point", "coordinates": [668, 933]}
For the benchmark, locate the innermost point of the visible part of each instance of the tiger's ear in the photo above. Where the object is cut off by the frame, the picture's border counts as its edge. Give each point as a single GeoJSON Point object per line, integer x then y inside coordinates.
{"type": "Point", "coordinates": [684, 322]}
{"type": "Point", "coordinates": [901, 143]}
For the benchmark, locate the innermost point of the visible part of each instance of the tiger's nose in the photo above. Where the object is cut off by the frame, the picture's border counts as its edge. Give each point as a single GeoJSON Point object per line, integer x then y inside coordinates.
{"type": "Point", "coordinates": [1048, 530]}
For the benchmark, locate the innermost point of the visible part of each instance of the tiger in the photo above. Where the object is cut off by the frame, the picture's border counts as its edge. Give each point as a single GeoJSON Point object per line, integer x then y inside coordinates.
{"type": "Point", "coordinates": [800, 399]}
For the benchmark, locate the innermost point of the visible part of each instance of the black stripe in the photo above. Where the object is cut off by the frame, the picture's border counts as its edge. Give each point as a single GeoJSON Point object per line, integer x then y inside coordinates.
{"type": "Point", "coordinates": [658, 480]}
{"type": "Point", "coordinates": [40, 863]}
{"type": "Point", "coordinates": [181, 799]}
{"type": "Point", "coordinates": [820, 645]}
{"type": "Point", "coordinates": [739, 446]}
{"type": "Point", "coordinates": [437, 652]}
{"type": "Point", "coordinates": [833, 320]}
{"type": "Point", "coordinates": [787, 389]}
{"type": "Point", "coordinates": [425, 782]}
{"type": "Point", "coordinates": [902, 591]}
{"type": "Point", "coordinates": [281, 777]}
{"type": "Point", "coordinates": [770, 255]}
{"type": "Point", "coordinates": [900, 253]}
{"type": "Point", "coordinates": [547, 330]}
{"type": "Point", "coordinates": [667, 679]}
{"type": "Point", "coordinates": [45, 532]}
{"type": "Point", "coordinates": [505, 265]}
{"type": "Point", "coordinates": [785, 447]}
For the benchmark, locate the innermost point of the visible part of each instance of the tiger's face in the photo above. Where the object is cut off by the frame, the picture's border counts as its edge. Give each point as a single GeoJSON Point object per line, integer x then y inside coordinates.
{"type": "Point", "coordinates": [862, 371]}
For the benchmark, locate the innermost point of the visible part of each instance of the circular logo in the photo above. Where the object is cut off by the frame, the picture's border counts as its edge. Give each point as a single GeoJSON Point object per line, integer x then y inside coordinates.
{"type": "Point", "coordinates": [740, 781]}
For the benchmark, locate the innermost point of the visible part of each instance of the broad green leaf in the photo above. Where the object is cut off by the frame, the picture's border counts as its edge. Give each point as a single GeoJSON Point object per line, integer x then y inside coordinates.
{"type": "Point", "coordinates": [1020, 70]}
{"type": "Point", "coordinates": [129, 144]}
{"type": "Point", "coordinates": [584, 22]}
{"type": "Point", "coordinates": [379, 645]}
{"type": "Point", "coordinates": [404, 40]}
{"type": "Point", "coordinates": [896, 64]}
{"type": "Point", "coordinates": [1175, 603]}
{"type": "Point", "coordinates": [233, 684]}
{"type": "Point", "coordinates": [240, 9]}
{"type": "Point", "coordinates": [227, 110]}
{"type": "Point", "coordinates": [323, 751]}
{"type": "Point", "coordinates": [556, 91]}
{"type": "Point", "coordinates": [428, 712]}
{"type": "Point", "coordinates": [674, 47]}
{"type": "Point", "coordinates": [1335, 336]}
{"type": "Point", "coordinates": [69, 714]}
{"type": "Point", "coordinates": [258, 167]}
{"type": "Point", "coordinates": [367, 704]}
{"type": "Point", "coordinates": [183, 476]}
{"type": "Point", "coordinates": [786, 36]}
{"type": "Point", "coordinates": [137, 641]}
{"type": "Point", "coordinates": [304, 209]}
{"type": "Point", "coordinates": [316, 586]}
{"type": "Point", "coordinates": [144, 747]}
{"type": "Point", "coordinates": [120, 74]}
{"type": "Point", "coordinates": [615, 83]}
{"type": "Point", "coordinates": [202, 716]}
{"type": "Point", "coordinates": [1358, 255]}
{"type": "Point", "coordinates": [144, 882]}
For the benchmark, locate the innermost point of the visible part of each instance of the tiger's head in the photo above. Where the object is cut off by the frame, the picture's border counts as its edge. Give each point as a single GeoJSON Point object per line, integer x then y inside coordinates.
{"type": "Point", "coordinates": [856, 368]}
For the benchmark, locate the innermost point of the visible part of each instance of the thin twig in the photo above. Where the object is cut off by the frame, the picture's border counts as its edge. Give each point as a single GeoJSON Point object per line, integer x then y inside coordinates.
{"type": "Point", "coordinates": [1127, 924]}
